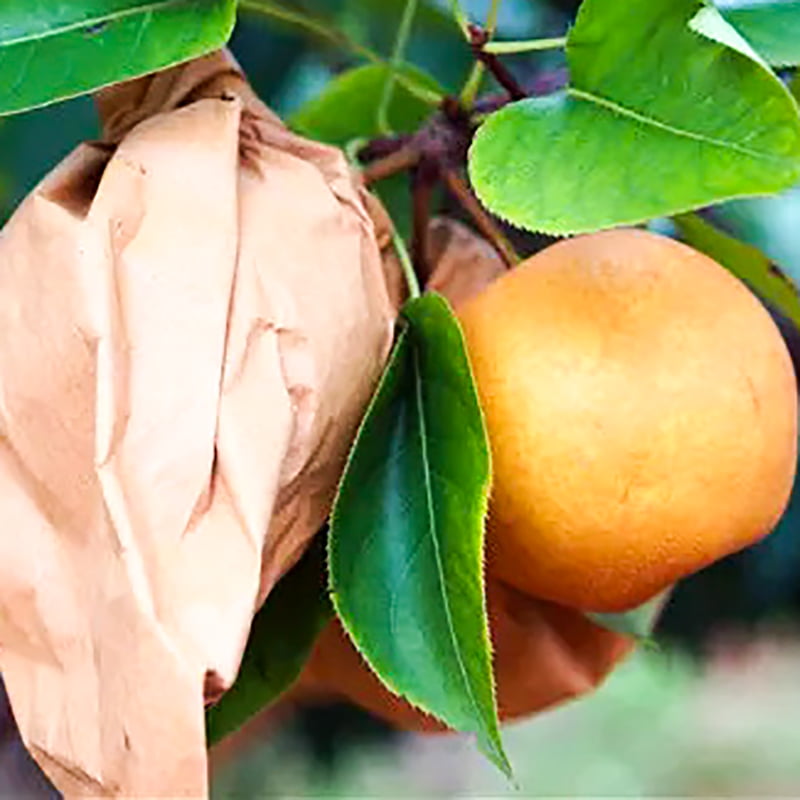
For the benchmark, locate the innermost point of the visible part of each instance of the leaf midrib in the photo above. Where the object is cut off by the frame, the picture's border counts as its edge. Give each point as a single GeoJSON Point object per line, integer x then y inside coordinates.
{"type": "Point", "coordinates": [432, 532]}
{"type": "Point", "coordinates": [145, 8]}
{"type": "Point", "coordinates": [629, 113]}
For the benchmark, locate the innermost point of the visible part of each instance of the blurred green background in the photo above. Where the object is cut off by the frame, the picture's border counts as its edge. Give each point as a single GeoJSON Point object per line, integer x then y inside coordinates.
{"type": "Point", "coordinates": [712, 711]}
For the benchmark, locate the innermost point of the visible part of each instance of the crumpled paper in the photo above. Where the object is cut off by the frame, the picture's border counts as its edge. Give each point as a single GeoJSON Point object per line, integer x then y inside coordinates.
{"type": "Point", "coordinates": [193, 315]}
{"type": "Point", "coordinates": [543, 654]}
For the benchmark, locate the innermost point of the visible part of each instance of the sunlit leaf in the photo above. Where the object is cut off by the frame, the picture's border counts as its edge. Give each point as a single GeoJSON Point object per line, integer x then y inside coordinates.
{"type": "Point", "coordinates": [656, 120]}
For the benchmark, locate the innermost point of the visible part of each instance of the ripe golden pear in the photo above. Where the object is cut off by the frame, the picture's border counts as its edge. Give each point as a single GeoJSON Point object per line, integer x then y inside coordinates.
{"type": "Point", "coordinates": [642, 412]}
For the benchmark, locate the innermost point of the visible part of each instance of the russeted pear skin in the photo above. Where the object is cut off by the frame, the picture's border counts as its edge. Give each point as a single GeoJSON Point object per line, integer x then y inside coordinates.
{"type": "Point", "coordinates": [642, 413]}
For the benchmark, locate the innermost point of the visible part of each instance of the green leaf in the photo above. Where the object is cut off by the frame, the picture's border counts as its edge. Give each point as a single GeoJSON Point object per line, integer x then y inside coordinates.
{"type": "Point", "coordinates": [771, 26]}
{"type": "Point", "coordinates": [51, 51]}
{"type": "Point", "coordinates": [346, 108]}
{"type": "Point", "coordinates": [281, 638]}
{"type": "Point", "coordinates": [746, 262]}
{"type": "Point", "coordinates": [637, 623]}
{"type": "Point", "coordinates": [656, 120]}
{"type": "Point", "coordinates": [406, 541]}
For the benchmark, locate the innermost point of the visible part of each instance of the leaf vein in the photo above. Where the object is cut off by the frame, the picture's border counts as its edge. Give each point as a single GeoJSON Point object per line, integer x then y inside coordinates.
{"type": "Point", "coordinates": [435, 542]}
{"type": "Point", "coordinates": [629, 113]}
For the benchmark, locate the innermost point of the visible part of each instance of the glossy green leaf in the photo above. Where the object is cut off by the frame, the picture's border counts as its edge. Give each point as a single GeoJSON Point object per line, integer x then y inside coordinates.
{"type": "Point", "coordinates": [53, 50]}
{"type": "Point", "coordinates": [771, 26]}
{"type": "Point", "coordinates": [746, 262]}
{"type": "Point", "coordinates": [406, 543]}
{"type": "Point", "coordinates": [281, 638]}
{"type": "Point", "coordinates": [637, 623]}
{"type": "Point", "coordinates": [656, 120]}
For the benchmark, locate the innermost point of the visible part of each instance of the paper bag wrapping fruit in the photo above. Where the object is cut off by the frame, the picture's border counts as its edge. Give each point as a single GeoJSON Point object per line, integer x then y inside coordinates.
{"type": "Point", "coordinates": [193, 317]}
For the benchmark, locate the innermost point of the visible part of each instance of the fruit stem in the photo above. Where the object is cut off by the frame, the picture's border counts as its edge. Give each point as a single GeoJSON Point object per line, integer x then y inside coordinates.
{"type": "Point", "coordinates": [483, 221]}
{"type": "Point", "coordinates": [403, 35]}
{"type": "Point", "coordinates": [405, 263]}
{"type": "Point", "coordinates": [525, 46]}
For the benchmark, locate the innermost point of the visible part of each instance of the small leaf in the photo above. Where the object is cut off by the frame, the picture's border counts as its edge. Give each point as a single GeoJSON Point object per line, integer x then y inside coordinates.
{"type": "Point", "coordinates": [346, 108]}
{"type": "Point", "coordinates": [406, 543]}
{"type": "Point", "coordinates": [656, 120]}
{"type": "Point", "coordinates": [771, 26]}
{"type": "Point", "coordinates": [746, 262]}
{"type": "Point", "coordinates": [281, 638]}
{"type": "Point", "coordinates": [52, 51]}
{"type": "Point", "coordinates": [638, 622]}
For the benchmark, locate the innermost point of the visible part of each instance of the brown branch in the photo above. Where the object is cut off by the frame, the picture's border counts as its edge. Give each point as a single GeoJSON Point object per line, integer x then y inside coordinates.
{"type": "Point", "coordinates": [423, 180]}
{"type": "Point", "coordinates": [488, 228]}
{"type": "Point", "coordinates": [478, 38]}
{"type": "Point", "coordinates": [401, 160]}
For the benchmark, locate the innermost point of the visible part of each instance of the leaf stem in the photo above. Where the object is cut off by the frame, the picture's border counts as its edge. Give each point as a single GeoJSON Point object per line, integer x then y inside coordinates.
{"type": "Point", "coordinates": [472, 85]}
{"type": "Point", "coordinates": [403, 35]}
{"type": "Point", "coordinates": [405, 263]}
{"type": "Point", "coordinates": [526, 46]}
{"type": "Point", "coordinates": [492, 16]}
{"type": "Point", "coordinates": [469, 92]}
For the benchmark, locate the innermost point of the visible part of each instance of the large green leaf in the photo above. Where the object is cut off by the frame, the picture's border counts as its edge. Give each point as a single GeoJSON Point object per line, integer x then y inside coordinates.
{"type": "Point", "coordinates": [656, 120]}
{"type": "Point", "coordinates": [748, 263]}
{"type": "Point", "coordinates": [771, 26]}
{"type": "Point", "coordinates": [281, 637]}
{"type": "Point", "coordinates": [406, 543]}
{"type": "Point", "coordinates": [53, 50]}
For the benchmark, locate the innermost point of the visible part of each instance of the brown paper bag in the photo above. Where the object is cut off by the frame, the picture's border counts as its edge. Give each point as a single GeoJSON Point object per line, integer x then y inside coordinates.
{"type": "Point", "coordinates": [193, 316]}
